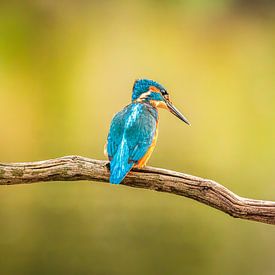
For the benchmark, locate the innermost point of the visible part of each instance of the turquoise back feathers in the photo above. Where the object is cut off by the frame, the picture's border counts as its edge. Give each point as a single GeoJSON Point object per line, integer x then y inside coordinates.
{"type": "Point", "coordinates": [131, 133]}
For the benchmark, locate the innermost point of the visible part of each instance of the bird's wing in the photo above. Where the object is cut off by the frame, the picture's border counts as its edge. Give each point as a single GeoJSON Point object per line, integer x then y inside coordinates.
{"type": "Point", "coordinates": [131, 134]}
{"type": "Point", "coordinates": [116, 133]}
{"type": "Point", "coordinates": [140, 135]}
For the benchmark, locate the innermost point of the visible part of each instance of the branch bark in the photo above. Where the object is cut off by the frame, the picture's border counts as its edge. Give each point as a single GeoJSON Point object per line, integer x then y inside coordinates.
{"type": "Point", "coordinates": [71, 168]}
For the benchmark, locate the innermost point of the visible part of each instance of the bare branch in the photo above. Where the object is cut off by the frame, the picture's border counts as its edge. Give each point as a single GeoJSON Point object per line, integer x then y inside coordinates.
{"type": "Point", "coordinates": [71, 168]}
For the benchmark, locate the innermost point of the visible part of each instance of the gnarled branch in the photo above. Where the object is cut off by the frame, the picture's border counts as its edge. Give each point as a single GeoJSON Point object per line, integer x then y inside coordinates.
{"type": "Point", "coordinates": [71, 168]}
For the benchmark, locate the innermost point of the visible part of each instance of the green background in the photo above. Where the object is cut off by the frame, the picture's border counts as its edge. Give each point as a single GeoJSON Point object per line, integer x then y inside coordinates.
{"type": "Point", "coordinates": [67, 66]}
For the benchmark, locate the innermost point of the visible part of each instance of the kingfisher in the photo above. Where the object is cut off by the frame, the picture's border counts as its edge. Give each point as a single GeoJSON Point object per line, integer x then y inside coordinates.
{"type": "Point", "coordinates": [134, 130]}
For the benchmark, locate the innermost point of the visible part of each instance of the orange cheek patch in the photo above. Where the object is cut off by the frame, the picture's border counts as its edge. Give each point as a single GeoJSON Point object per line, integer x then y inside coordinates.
{"type": "Point", "coordinates": [162, 105]}
{"type": "Point", "coordinates": [159, 104]}
{"type": "Point", "coordinates": [154, 89]}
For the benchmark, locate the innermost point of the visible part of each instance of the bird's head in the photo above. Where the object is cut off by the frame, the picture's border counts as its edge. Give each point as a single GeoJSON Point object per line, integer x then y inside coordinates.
{"type": "Point", "coordinates": [150, 91]}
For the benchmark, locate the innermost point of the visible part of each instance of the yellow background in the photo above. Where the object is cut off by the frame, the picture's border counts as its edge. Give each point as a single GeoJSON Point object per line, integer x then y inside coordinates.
{"type": "Point", "coordinates": [67, 66]}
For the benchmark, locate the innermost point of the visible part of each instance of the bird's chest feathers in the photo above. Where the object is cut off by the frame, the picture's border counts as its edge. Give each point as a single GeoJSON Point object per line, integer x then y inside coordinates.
{"type": "Point", "coordinates": [143, 161]}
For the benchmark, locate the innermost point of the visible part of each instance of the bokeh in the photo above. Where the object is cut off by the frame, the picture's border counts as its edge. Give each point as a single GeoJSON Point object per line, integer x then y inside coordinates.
{"type": "Point", "coordinates": [67, 66]}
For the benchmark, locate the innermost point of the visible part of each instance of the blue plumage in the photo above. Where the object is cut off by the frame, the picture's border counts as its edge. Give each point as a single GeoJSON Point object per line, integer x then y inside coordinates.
{"type": "Point", "coordinates": [133, 131]}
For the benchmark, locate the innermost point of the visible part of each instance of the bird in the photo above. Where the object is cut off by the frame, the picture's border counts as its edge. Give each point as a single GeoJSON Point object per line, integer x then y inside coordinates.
{"type": "Point", "coordinates": [133, 131]}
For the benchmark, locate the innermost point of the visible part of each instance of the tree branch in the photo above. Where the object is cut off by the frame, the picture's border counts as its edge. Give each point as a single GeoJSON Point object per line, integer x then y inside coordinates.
{"type": "Point", "coordinates": [71, 168]}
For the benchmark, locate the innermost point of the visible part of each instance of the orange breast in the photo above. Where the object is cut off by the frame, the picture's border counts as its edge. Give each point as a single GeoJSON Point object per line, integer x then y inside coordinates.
{"type": "Point", "coordinates": [143, 161]}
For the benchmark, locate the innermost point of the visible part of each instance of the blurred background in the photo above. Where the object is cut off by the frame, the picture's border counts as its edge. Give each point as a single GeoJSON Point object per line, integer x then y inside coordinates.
{"type": "Point", "coordinates": [67, 66]}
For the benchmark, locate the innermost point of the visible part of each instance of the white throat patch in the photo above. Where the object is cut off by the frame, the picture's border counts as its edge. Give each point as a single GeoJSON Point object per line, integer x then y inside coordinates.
{"type": "Point", "coordinates": [143, 96]}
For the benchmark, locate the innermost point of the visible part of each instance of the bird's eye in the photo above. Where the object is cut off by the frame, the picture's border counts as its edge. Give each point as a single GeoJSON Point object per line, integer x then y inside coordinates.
{"type": "Point", "coordinates": [163, 92]}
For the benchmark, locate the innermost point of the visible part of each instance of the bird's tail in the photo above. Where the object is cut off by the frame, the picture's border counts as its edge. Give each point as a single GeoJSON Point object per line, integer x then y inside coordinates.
{"type": "Point", "coordinates": [120, 165]}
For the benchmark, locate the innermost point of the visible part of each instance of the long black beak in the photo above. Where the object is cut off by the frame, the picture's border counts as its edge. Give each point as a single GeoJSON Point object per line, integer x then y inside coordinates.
{"type": "Point", "coordinates": [176, 112]}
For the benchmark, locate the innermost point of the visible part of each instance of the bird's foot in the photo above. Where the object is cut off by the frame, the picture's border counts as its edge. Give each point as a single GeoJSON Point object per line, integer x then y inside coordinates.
{"type": "Point", "coordinates": [139, 166]}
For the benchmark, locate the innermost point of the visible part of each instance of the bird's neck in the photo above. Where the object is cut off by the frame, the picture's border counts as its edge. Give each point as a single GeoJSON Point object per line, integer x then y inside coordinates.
{"type": "Point", "coordinates": [153, 103]}
{"type": "Point", "coordinates": [149, 107]}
